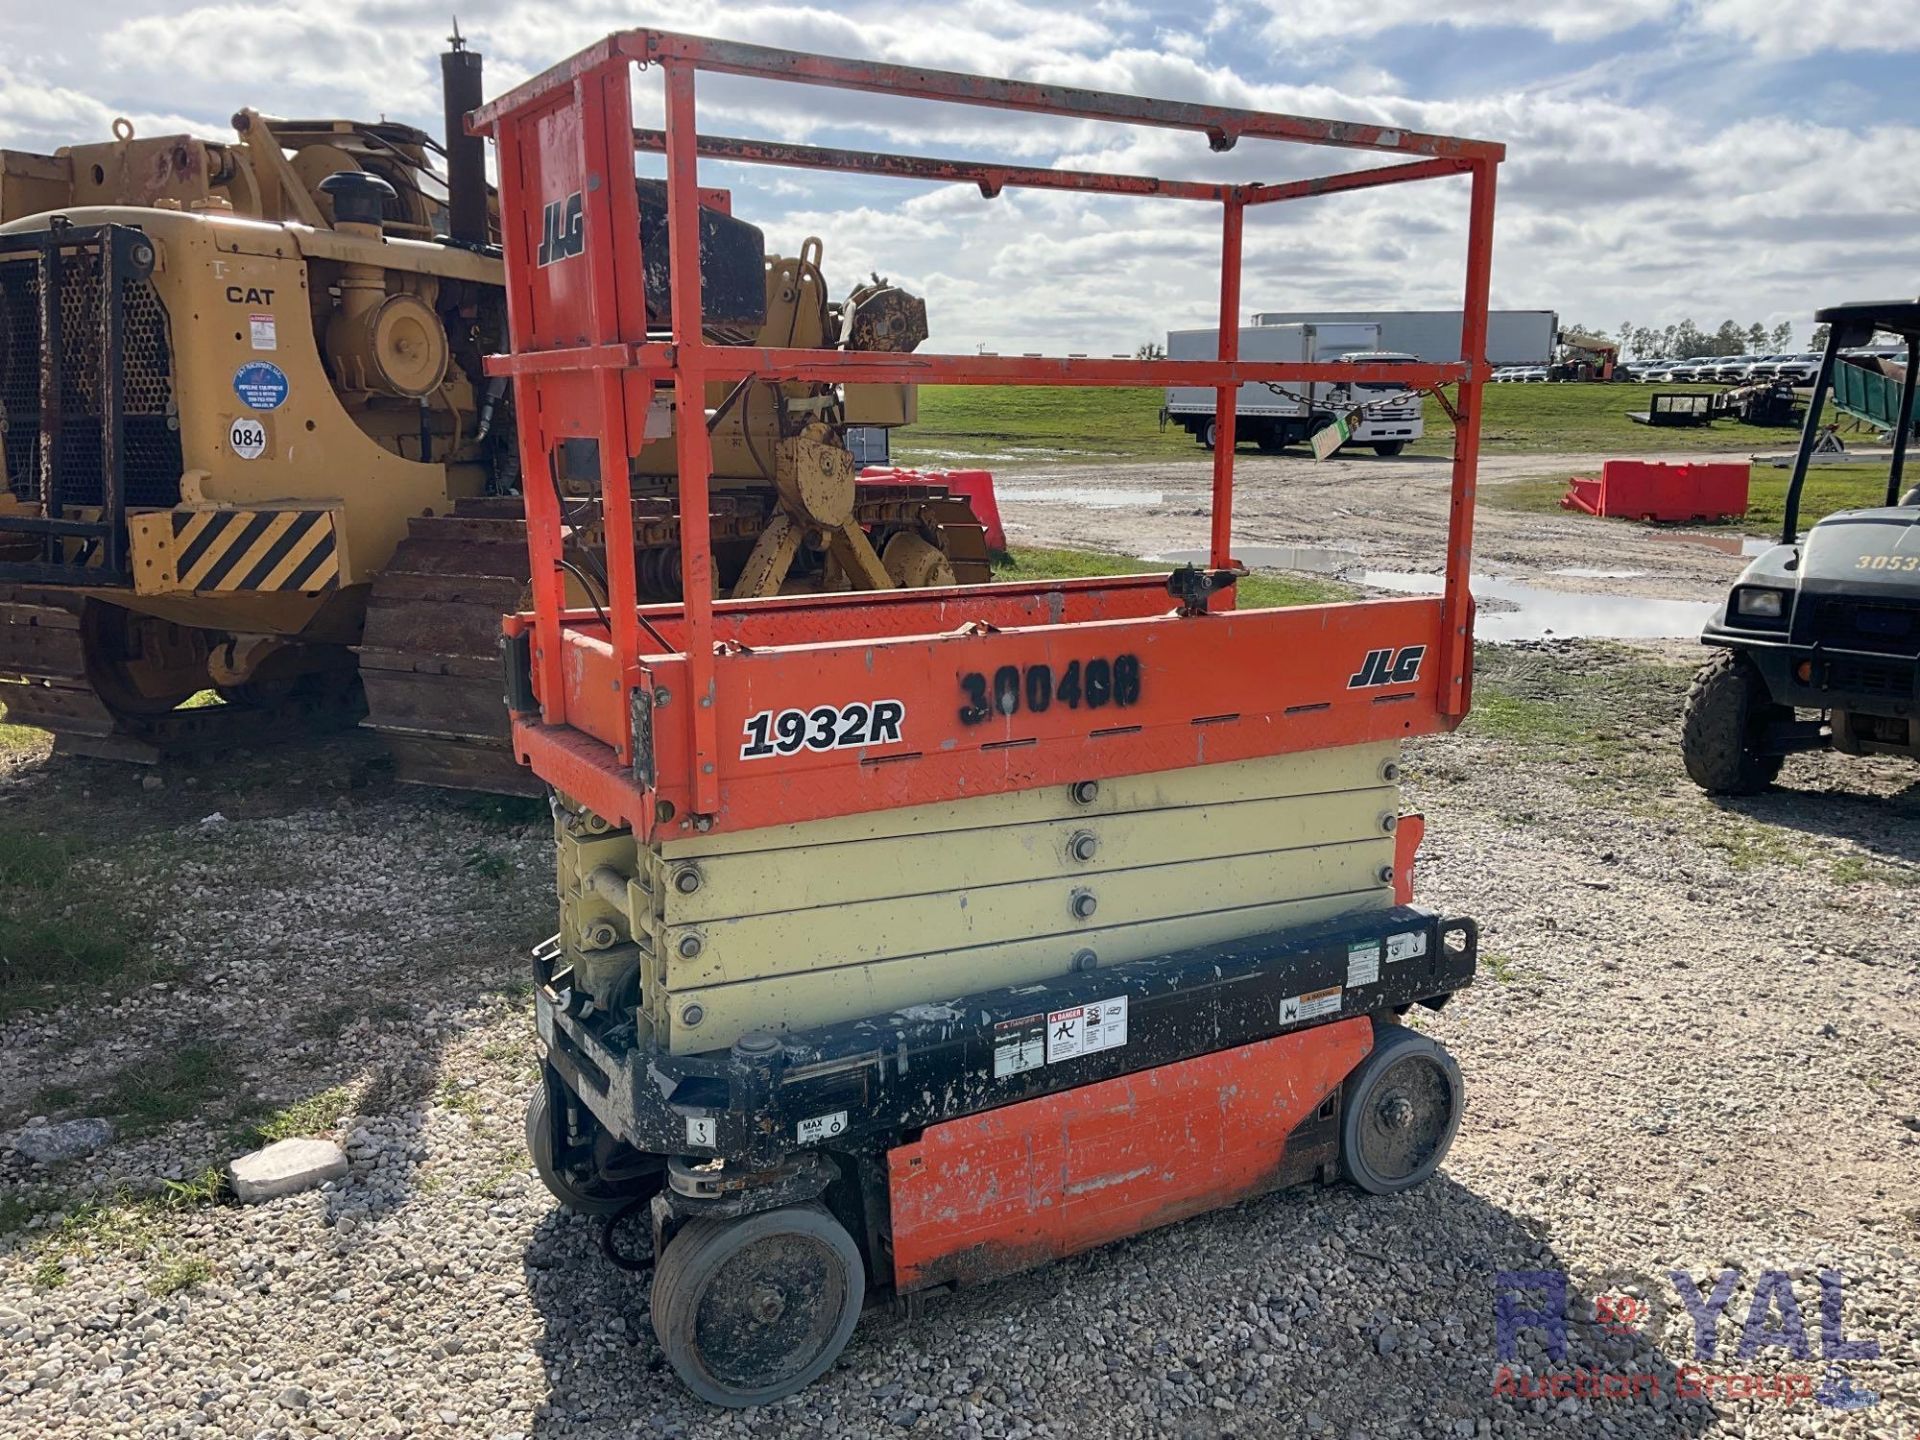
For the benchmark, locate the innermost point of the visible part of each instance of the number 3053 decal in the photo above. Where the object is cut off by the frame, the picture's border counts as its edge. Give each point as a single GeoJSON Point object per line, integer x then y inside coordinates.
{"type": "Point", "coordinates": [824, 727]}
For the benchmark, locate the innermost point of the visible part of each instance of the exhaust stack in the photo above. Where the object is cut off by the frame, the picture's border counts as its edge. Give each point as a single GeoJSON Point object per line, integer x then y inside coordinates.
{"type": "Point", "coordinates": [460, 85]}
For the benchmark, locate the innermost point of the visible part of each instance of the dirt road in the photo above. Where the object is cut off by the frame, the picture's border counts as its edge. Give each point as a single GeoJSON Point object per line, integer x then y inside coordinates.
{"type": "Point", "coordinates": [1391, 514]}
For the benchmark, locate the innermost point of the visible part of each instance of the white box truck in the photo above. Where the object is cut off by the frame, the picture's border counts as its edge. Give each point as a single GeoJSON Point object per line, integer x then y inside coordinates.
{"type": "Point", "coordinates": [1514, 337]}
{"type": "Point", "coordinates": [1287, 412]}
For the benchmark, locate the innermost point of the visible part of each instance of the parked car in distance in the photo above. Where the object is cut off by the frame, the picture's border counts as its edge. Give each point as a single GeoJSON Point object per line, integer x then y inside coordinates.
{"type": "Point", "coordinates": [1798, 369]}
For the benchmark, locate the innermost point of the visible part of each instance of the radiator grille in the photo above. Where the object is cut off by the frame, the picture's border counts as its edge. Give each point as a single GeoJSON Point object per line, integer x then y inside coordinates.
{"type": "Point", "coordinates": [1886, 628]}
{"type": "Point", "coordinates": [150, 423]}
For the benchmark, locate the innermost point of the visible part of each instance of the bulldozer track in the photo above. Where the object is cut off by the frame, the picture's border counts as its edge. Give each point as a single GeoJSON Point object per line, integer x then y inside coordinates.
{"type": "Point", "coordinates": [430, 659]}
{"type": "Point", "coordinates": [44, 683]}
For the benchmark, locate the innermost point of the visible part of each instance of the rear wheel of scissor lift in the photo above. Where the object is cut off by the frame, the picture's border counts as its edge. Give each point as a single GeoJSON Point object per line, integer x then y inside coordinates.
{"type": "Point", "coordinates": [753, 1309]}
{"type": "Point", "coordinates": [1400, 1113]}
{"type": "Point", "coordinates": [568, 1177]}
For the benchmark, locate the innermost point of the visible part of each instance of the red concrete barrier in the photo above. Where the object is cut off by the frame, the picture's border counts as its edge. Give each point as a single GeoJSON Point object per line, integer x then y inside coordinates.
{"type": "Point", "coordinates": [1661, 490]}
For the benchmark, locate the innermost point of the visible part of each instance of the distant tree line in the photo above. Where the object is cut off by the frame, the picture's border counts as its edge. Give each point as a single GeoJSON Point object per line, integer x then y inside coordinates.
{"type": "Point", "coordinates": [1687, 341]}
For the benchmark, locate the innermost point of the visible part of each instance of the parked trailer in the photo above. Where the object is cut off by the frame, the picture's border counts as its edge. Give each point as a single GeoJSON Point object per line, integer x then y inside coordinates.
{"type": "Point", "coordinates": [1276, 417]}
{"type": "Point", "coordinates": [1514, 337]}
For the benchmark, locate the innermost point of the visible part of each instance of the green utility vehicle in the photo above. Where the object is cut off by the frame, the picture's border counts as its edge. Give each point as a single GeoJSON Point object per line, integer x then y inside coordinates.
{"type": "Point", "coordinates": [1818, 643]}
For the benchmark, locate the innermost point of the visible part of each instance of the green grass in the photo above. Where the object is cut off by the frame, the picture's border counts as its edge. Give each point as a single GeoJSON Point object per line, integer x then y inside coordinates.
{"type": "Point", "coordinates": [1856, 870]}
{"type": "Point", "coordinates": [1826, 491]}
{"type": "Point", "coordinates": [1256, 592]}
{"type": "Point", "coordinates": [312, 1116]}
{"type": "Point", "coordinates": [1606, 727]}
{"type": "Point", "coordinates": [170, 1086]}
{"type": "Point", "coordinates": [59, 933]}
{"type": "Point", "coordinates": [992, 425]}
{"type": "Point", "coordinates": [170, 1274]}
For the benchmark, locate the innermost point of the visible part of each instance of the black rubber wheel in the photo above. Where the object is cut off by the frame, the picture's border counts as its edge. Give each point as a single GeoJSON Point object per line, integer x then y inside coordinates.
{"type": "Point", "coordinates": [1270, 440]}
{"type": "Point", "coordinates": [1399, 1112]}
{"type": "Point", "coordinates": [1389, 448]}
{"type": "Point", "coordinates": [1207, 434]}
{"type": "Point", "coordinates": [583, 1197]}
{"type": "Point", "coordinates": [751, 1310]}
{"type": "Point", "coordinates": [1727, 711]}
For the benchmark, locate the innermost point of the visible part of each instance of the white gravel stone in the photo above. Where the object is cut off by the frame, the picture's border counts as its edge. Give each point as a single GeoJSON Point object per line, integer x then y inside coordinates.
{"type": "Point", "coordinates": [286, 1167]}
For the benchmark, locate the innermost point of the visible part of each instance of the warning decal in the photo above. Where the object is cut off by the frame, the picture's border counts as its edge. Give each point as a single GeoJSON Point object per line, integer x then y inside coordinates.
{"type": "Point", "coordinates": [1406, 945]}
{"type": "Point", "coordinates": [266, 334]}
{"type": "Point", "coordinates": [820, 1127]}
{"type": "Point", "coordinates": [1311, 1006]}
{"type": "Point", "coordinates": [1086, 1029]}
{"type": "Point", "coordinates": [1019, 1045]}
{"type": "Point", "coordinates": [1363, 963]}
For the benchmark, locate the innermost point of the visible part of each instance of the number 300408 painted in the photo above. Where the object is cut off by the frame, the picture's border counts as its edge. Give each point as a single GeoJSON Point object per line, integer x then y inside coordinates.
{"type": "Point", "coordinates": [824, 727]}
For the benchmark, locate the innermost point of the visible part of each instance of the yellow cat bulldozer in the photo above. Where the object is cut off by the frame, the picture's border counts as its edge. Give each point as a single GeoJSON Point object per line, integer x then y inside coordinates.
{"type": "Point", "coordinates": [250, 448]}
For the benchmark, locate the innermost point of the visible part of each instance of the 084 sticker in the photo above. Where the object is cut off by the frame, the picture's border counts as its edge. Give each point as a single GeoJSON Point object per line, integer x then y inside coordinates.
{"type": "Point", "coordinates": [824, 727]}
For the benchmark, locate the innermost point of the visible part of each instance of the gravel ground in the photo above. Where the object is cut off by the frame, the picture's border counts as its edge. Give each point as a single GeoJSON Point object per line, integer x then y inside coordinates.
{"type": "Point", "coordinates": [1693, 1046]}
{"type": "Point", "coordinates": [1390, 513]}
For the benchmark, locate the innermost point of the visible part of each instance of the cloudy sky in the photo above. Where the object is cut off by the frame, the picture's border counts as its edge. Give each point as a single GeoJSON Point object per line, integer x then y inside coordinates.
{"type": "Point", "coordinates": [1666, 159]}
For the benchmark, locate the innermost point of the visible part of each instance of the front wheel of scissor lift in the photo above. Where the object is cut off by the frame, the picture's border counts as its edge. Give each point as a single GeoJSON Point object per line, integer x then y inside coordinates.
{"type": "Point", "coordinates": [753, 1309]}
{"type": "Point", "coordinates": [1400, 1113]}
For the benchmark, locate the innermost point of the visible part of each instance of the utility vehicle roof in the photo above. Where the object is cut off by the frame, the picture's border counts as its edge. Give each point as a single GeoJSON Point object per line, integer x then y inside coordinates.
{"type": "Point", "coordinates": [1900, 317]}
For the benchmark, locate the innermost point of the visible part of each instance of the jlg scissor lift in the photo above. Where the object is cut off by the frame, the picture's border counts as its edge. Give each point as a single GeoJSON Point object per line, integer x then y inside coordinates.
{"type": "Point", "coordinates": [914, 937]}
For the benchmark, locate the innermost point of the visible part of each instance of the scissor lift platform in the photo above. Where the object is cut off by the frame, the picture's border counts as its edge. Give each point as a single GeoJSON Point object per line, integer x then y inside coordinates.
{"type": "Point", "coordinates": [1086, 1040]}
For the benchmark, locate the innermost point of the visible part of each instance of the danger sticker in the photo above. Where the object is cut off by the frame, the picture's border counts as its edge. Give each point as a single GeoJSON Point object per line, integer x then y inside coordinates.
{"type": "Point", "coordinates": [1311, 1006]}
{"type": "Point", "coordinates": [820, 1127]}
{"type": "Point", "coordinates": [1086, 1029]}
{"type": "Point", "coordinates": [1019, 1045]}
{"type": "Point", "coordinates": [266, 334]}
{"type": "Point", "coordinates": [1363, 963]}
{"type": "Point", "coordinates": [247, 438]}
{"type": "Point", "coordinates": [1406, 945]}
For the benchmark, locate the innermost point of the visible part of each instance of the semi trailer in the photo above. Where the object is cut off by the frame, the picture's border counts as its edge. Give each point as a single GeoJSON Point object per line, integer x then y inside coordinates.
{"type": "Point", "coordinates": [1514, 337]}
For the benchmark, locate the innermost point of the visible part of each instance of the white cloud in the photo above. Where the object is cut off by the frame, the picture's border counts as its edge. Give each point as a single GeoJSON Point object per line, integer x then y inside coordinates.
{"type": "Point", "coordinates": [1777, 28]}
{"type": "Point", "coordinates": [1608, 210]}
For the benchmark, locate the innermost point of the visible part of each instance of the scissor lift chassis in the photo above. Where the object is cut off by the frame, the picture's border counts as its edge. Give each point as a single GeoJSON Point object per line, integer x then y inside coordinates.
{"type": "Point", "coordinates": [950, 1140]}
{"type": "Point", "coordinates": [837, 1112]}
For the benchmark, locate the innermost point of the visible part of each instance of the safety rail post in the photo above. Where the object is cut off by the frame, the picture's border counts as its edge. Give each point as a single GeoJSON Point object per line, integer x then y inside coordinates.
{"type": "Point", "coordinates": [1227, 395]}
{"type": "Point", "coordinates": [538, 487]}
{"type": "Point", "coordinates": [611, 212]}
{"type": "Point", "coordinates": [1456, 639]}
{"type": "Point", "coordinates": [693, 449]}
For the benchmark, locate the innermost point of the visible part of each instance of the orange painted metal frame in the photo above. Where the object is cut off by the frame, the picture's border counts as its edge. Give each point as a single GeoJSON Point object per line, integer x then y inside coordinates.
{"type": "Point", "coordinates": [1034, 1181]}
{"type": "Point", "coordinates": [1215, 685]}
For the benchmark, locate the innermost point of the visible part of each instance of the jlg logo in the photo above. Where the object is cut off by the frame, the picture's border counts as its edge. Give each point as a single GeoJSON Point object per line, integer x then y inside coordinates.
{"type": "Point", "coordinates": [1388, 667]}
{"type": "Point", "coordinates": [564, 230]}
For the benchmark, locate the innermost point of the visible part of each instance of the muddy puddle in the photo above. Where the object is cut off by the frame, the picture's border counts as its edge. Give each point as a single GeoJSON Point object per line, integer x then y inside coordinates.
{"type": "Point", "coordinates": [1512, 610]}
{"type": "Point", "coordinates": [1741, 545]}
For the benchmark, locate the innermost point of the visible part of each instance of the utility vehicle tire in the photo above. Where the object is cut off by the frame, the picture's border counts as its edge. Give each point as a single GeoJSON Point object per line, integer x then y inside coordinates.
{"type": "Point", "coordinates": [1271, 440]}
{"type": "Point", "coordinates": [1207, 433]}
{"type": "Point", "coordinates": [1386, 449]}
{"type": "Point", "coordinates": [750, 1310]}
{"type": "Point", "coordinates": [581, 1197]}
{"type": "Point", "coordinates": [1399, 1112]}
{"type": "Point", "coordinates": [1727, 710]}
